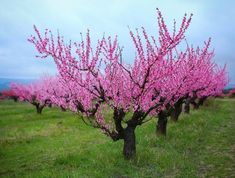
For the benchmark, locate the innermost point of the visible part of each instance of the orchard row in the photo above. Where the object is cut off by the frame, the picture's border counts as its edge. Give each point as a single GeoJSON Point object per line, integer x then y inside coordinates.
{"type": "Point", "coordinates": [94, 80]}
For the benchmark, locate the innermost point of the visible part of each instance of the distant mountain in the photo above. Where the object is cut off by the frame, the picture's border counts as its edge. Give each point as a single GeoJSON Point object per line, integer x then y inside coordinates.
{"type": "Point", "coordinates": [5, 82]}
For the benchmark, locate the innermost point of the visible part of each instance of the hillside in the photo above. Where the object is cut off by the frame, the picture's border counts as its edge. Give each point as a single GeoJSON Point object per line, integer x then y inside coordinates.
{"type": "Point", "coordinates": [59, 144]}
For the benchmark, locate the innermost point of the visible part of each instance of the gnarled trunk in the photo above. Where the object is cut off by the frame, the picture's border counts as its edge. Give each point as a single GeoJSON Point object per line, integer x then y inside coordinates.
{"type": "Point", "coordinates": [162, 123]}
{"type": "Point", "coordinates": [129, 148]}
{"type": "Point", "coordinates": [175, 113]}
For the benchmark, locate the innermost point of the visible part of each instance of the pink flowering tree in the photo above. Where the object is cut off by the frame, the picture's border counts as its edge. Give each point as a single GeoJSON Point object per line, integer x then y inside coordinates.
{"type": "Point", "coordinates": [179, 76]}
{"type": "Point", "coordinates": [206, 78]}
{"type": "Point", "coordinates": [167, 78]}
{"type": "Point", "coordinates": [200, 78]}
{"type": "Point", "coordinates": [97, 80]}
{"type": "Point", "coordinates": [9, 94]}
{"type": "Point", "coordinates": [59, 92]}
{"type": "Point", "coordinates": [194, 78]}
{"type": "Point", "coordinates": [32, 93]}
{"type": "Point", "coordinates": [231, 93]}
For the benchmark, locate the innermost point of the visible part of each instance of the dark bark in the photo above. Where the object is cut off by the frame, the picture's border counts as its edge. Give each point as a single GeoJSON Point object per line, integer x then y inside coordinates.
{"type": "Point", "coordinates": [127, 134]}
{"type": "Point", "coordinates": [39, 108]}
{"type": "Point", "coordinates": [187, 106]}
{"type": "Point", "coordinates": [162, 123]}
{"type": "Point", "coordinates": [62, 108]}
{"type": "Point", "coordinates": [15, 98]}
{"type": "Point", "coordinates": [119, 114]}
{"type": "Point", "coordinates": [129, 148]}
{"type": "Point", "coordinates": [201, 101]}
{"type": "Point", "coordinates": [176, 111]}
{"type": "Point", "coordinates": [195, 105]}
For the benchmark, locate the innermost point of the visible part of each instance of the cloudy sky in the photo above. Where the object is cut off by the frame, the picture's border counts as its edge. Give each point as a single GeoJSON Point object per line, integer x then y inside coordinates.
{"type": "Point", "coordinates": [212, 18]}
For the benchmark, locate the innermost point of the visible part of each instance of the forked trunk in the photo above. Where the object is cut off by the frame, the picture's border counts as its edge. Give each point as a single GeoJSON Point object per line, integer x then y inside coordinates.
{"type": "Point", "coordinates": [161, 124]}
{"type": "Point", "coordinates": [176, 111]}
{"type": "Point", "coordinates": [129, 148]}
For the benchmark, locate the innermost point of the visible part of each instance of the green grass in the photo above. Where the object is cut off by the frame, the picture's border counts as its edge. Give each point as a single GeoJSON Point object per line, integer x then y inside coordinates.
{"type": "Point", "coordinates": [59, 144]}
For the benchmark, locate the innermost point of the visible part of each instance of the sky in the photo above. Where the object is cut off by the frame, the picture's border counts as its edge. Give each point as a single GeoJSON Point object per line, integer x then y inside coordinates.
{"type": "Point", "coordinates": [211, 18]}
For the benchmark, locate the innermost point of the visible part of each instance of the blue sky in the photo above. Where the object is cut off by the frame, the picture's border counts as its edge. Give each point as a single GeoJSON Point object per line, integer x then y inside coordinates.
{"type": "Point", "coordinates": [212, 18]}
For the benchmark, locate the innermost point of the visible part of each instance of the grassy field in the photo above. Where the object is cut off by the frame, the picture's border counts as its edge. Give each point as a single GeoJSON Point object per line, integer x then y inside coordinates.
{"type": "Point", "coordinates": [58, 144]}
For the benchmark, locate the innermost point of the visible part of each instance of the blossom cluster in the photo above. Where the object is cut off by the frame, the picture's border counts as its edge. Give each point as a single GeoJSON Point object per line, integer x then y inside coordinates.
{"type": "Point", "coordinates": [93, 76]}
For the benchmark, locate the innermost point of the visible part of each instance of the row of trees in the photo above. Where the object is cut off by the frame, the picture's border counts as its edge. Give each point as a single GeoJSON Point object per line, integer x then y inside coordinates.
{"type": "Point", "coordinates": [95, 79]}
{"type": "Point", "coordinates": [230, 93]}
{"type": "Point", "coordinates": [8, 94]}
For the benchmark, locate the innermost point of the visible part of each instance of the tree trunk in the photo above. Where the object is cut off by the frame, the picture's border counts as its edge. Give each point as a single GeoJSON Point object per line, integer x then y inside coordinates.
{"type": "Point", "coordinates": [39, 109]}
{"type": "Point", "coordinates": [15, 99]}
{"type": "Point", "coordinates": [129, 149]}
{"type": "Point", "coordinates": [62, 108]}
{"type": "Point", "coordinates": [195, 105]}
{"type": "Point", "coordinates": [187, 106]}
{"type": "Point", "coordinates": [176, 111]}
{"type": "Point", "coordinates": [161, 124]}
{"type": "Point", "coordinates": [201, 101]}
